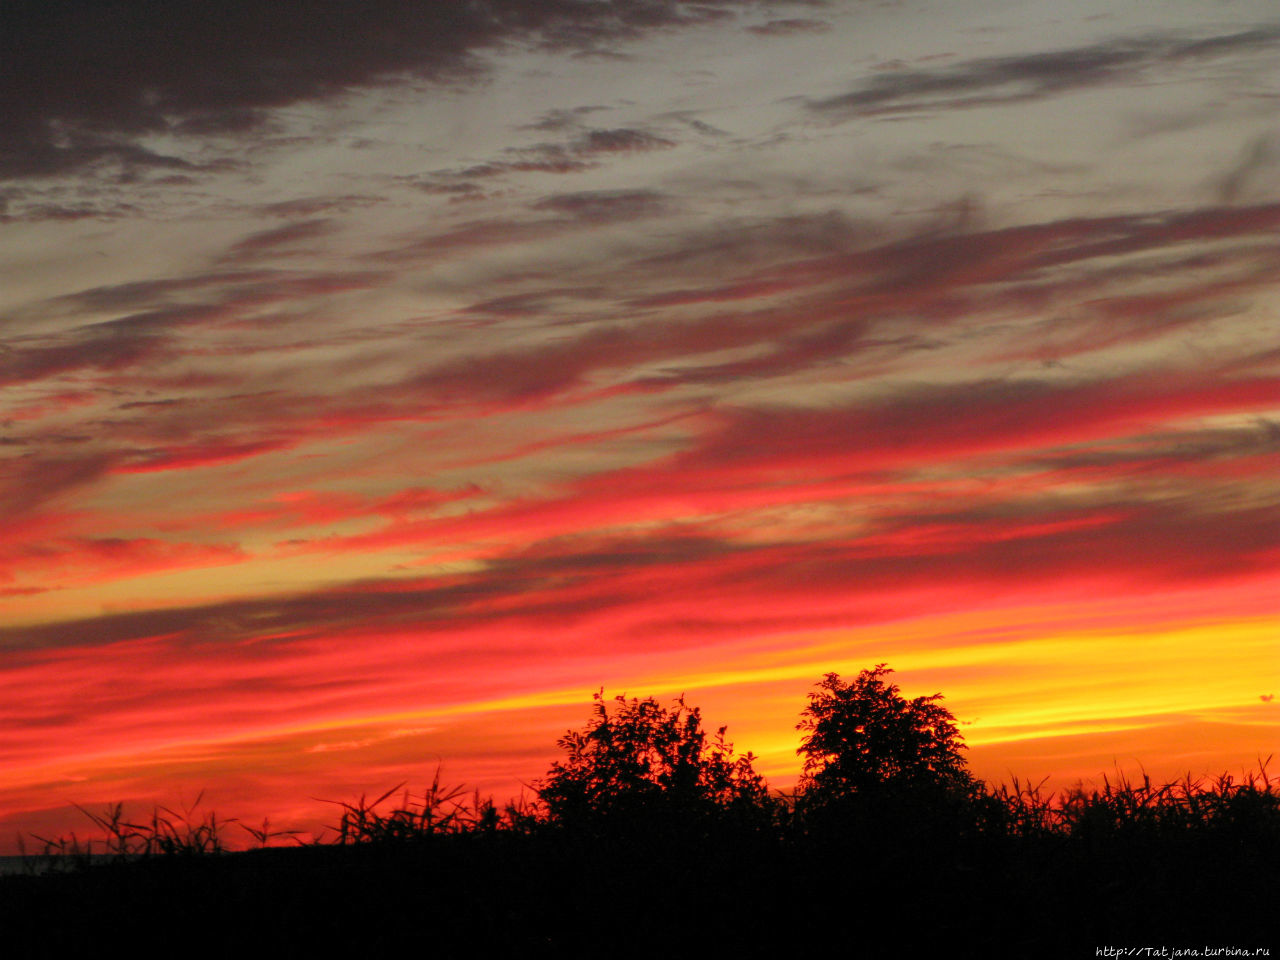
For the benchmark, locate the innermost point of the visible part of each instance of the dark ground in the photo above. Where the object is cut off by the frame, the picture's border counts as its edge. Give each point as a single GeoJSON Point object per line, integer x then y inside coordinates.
{"type": "Point", "coordinates": [549, 894]}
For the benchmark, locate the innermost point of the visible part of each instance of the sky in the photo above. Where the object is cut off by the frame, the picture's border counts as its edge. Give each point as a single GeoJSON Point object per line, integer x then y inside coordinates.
{"type": "Point", "coordinates": [379, 380]}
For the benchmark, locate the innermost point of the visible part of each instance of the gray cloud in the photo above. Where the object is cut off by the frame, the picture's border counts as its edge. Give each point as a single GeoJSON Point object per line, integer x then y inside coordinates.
{"type": "Point", "coordinates": [602, 206]}
{"type": "Point", "coordinates": [29, 482]}
{"type": "Point", "coordinates": [1034, 76]}
{"type": "Point", "coordinates": [783, 28]}
{"type": "Point", "coordinates": [315, 206]}
{"type": "Point", "coordinates": [621, 140]}
{"type": "Point", "coordinates": [803, 292]}
{"type": "Point", "coordinates": [105, 349]}
{"type": "Point", "coordinates": [39, 212]}
{"type": "Point", "coordinates": [1259, 160]}
{"type": "Point", "coordinates": [278, 239]}
{"type": "Point", "coordinates": [81, 82]}
{"type": "Point", "coordinates": [583, 152]}
{"type": "Point", "coordinates": [556, 120]}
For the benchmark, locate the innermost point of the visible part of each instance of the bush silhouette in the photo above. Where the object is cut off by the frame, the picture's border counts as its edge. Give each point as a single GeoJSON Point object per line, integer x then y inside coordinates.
{"type": "Point", "coordinates": [652, 836]}
{"type": "Point", "coordinates": [644, 763]}
{"type": "Point", "coordinates": [864, 741]}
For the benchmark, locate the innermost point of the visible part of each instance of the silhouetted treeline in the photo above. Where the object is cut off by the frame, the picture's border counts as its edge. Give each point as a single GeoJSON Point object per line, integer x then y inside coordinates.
{"type": "Point", "coordinates": [652, 837]}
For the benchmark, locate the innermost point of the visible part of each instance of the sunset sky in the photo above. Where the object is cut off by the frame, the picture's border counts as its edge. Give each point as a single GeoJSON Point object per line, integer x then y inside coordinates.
{"type": "Point", "coordinates": [381, 379]}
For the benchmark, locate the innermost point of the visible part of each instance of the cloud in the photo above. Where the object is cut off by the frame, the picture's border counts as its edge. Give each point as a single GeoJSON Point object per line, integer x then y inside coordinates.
{"type": "Point", "coordinates": [279, 239]}
{"type": "Point", "coordinates": [314, 206]}
{"type": "Point", "coordinates": [391, 645]}
{"type": "Point", "coordinates": [31, 481]}
{"type": "Point", "coordinates": [557, 120]}
{"type": "Point", "coordinates": [1202, 450]}
{"type": "Point", "coordinates": [158, 304]}
{"type": "Point", "coordinates": [832, 291]}
{"type": "Point", "coordinates": [785, 28]}
{"type": "Point", "coordinates": [207, 453]}
{"type": "Point", "coordinates": [103, 349]}
{"type": "Point", "coordinates": [1262, 156]}
{"type": "Point", "coordinates": [561, 585]}
{"type": "Point", "coordinates": [535, 303]}
{"type": "Point", "coordinates": [38, 212]}
{"type": "Point", "coordinates": [1014, 79]}
{"type": "Point", "coordinates": [605, 205]}
{"type": "Point", "coordinates": [927, 424]}
{"type": "Point", "coordinates": [593, 208]}
{"type": "Point", "coordinates": [59, 562]}
{"type": "Point", "coordinates": [144, 318]}
{"type": "Point", "coordinates": [582, 153]}
{"type": "Point", "coordinates": [620, 140]}
{"type": "Point", "coordinates": [84, 85]}
{"type": "Point", "coordinates": [747, 462]}
{"type": "Point", "coordinates": [145, 293]}
{"type": "Point", "coordinates": [742, 303]}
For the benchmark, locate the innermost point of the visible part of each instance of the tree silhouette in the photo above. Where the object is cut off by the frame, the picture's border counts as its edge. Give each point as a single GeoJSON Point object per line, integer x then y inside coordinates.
{"type": "Point", "coordinates": [863, 738]}
{"type": "Point", "coordinates": [644, 763]}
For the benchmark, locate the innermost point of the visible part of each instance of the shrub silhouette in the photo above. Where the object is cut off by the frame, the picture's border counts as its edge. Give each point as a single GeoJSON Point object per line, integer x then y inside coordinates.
{"type": "Point", "coordinates": [864, 741]}
{"type": "Point", "coordinates": [651, 834]}
{"type": "Point", "coordinates": [644, 763]}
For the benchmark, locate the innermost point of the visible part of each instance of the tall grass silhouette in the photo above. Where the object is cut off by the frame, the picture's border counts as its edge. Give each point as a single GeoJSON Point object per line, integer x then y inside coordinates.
{"type": "Point", "coordinates": [438, 811]}
{"type": "Point", "coordinates": [167, 832]}
{"type": "Point", "coordinates": [601, 853]}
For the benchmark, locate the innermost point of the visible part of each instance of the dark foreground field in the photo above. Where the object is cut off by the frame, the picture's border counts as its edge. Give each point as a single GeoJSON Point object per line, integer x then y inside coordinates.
{"type": "Point", "coordinates": [652, 838]}
{"type": "Point", "coordinates": [677, 893]}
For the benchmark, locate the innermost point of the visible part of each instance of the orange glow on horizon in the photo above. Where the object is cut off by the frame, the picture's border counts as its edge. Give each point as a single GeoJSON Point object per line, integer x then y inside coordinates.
{"type": "Point", "coordinates": [1076, 691]}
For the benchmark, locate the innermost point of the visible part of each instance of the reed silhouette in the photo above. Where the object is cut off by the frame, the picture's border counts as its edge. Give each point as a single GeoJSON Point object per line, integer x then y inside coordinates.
{"type": "Point", "coordinates": [652, 837]}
